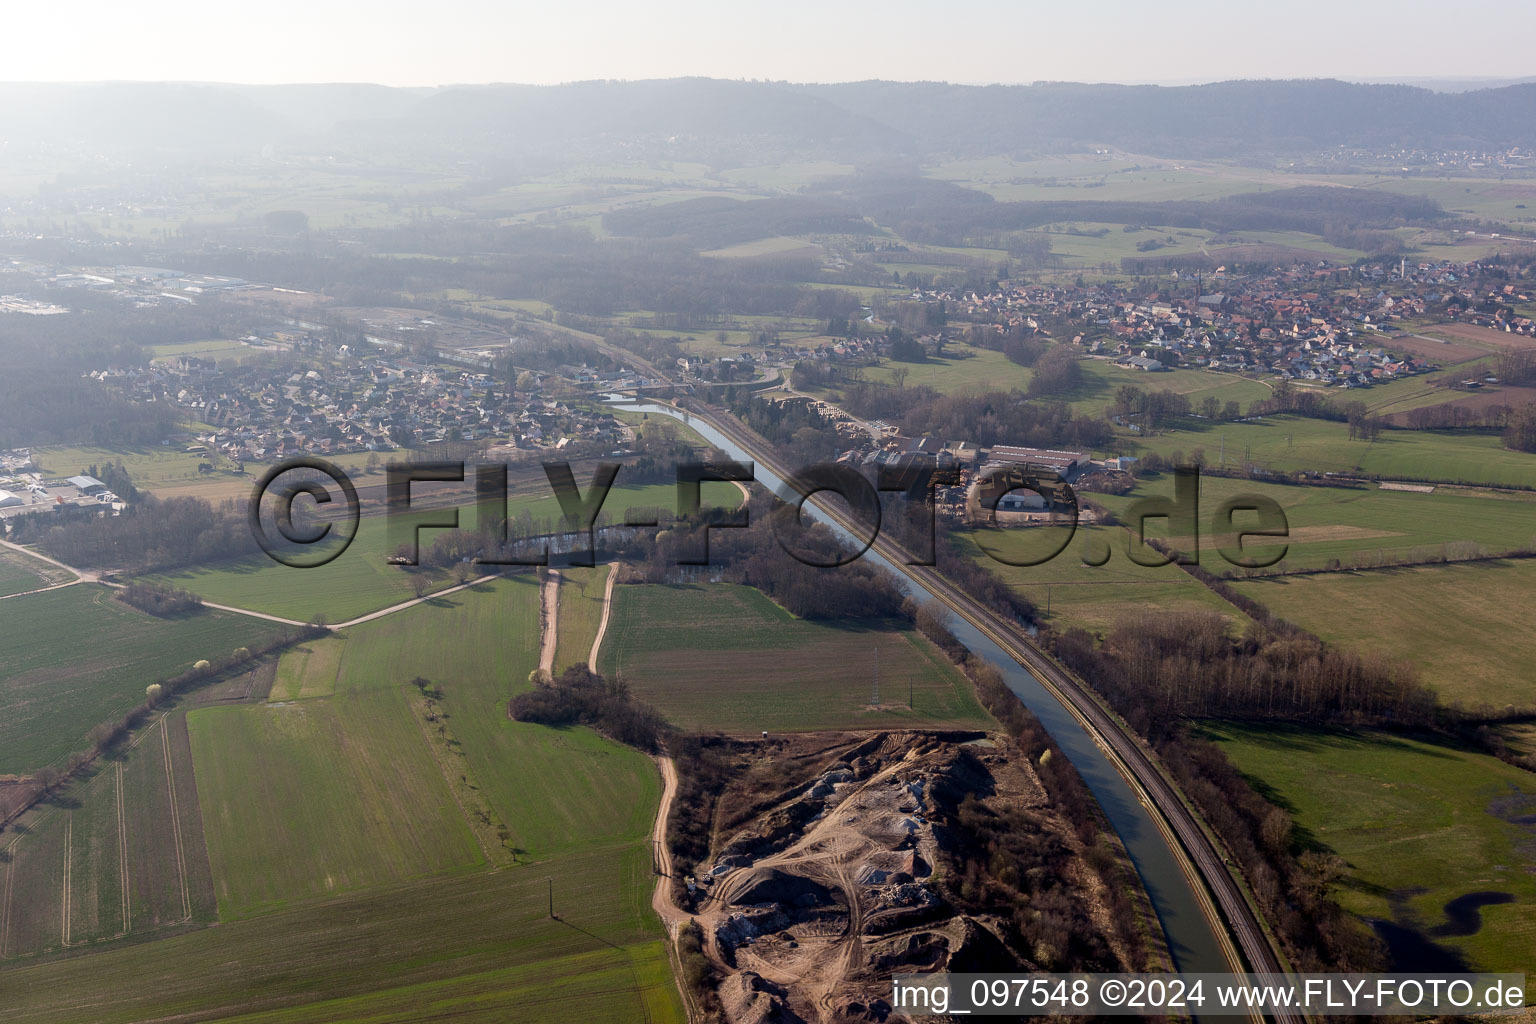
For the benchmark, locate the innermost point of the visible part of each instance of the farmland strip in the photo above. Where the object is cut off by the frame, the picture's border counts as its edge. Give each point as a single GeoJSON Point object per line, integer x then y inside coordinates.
{"type": "Point", "coordinates": [181, 858]}
{"type": "Point", "coordinates": [122, 845]}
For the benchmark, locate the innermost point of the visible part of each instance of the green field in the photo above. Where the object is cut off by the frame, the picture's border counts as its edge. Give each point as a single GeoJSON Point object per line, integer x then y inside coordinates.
{"type": "Point", "coordinates": [477, 947]}
{"type": "Point", "coordinates": [19, 573]}
{"type": "Point", "coordinates": [1101, 379]}
{"type": "Point", "coordinates": [134, 849]}
{"type": "Point", "coordinates": [320, 796]}
{"type": "Point", "coordinates": [73, 658]}
{"type": "Point", "coordinates": [580, 611]}
{"type": "Point", "coordinates": [1356, 526]}
{"type": "Point", "coordinates": [775, 246]}
{"type": "Point", "coordinates": [1294, 443]}
{"type": "Point", "coordinates": [979, 369]}
{"type": "Point", "coordinates": [357, 582]}
{"type": "Point", "coordinates": [361, 580]}
{"type": "Point", "coordinates": [342, 855]}
{"type": "Point", "coordinates": [1418, 824]}
{"type": "Point", "coordinates": [220, 350]}
{"type": "Point", "coordinates": [151, 467]}
{"type": "Point", "coordinates": [1463, 626]}
{"type": "Point", "coordinates": [554, 789]}
{"type": "Point", "coordinates": [722, 656]}
{"type": "Point", "coordinates": [1068, 592]}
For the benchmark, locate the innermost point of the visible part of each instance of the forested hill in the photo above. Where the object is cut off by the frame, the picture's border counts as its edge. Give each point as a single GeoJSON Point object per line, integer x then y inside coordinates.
{"type": "Point", "coordinates": [697, 118]}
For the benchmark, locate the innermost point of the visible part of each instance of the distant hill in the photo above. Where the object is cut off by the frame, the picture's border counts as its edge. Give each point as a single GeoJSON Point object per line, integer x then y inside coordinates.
{"type": "Point", "coordinates": [712, 119]}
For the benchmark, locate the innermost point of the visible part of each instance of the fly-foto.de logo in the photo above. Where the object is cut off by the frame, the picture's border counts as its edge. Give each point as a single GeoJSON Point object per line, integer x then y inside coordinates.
{"type": "Point", "coordinates": [310, 533]}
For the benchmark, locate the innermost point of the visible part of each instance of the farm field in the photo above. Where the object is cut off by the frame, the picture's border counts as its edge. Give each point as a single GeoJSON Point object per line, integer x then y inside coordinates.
{"type": "Point", "coordinates": [775, 246]}
{"type": "Point", "coordinates": [340, 855]}
{"type": "Point", "coordinates": [1353, 525]}
{"type": "Point", "coordinates": [20, 573]}
{"type": "Point", "coordinates": [723, 656]}
{"type": "Point", "coordinates": [1095, 178]}
{"type": "Point", "coordinates": [152, 467]}
{"type": "Point", "coordinates": [1475, 649]}
{"type": "Point", "coordinates": [1418, 825]}
{"type": "Point", "coordinates": [980, 369]}
{"type": "Point", "coordinates": [167, 471]}
{"type": "Point", "coordinates": [1101, 379]}
{"type": "Point", "coordinates": [543, 508]}
{"type": "Point", "coordinates": [72, 658]}
{"type": "Point", "coordinates": [319, 796]}
{"type": "Point", "coordinates": [134, 852]}
{"type": "Point", "coordinates": [555, 790]}
{"type": "Point", "coordinates": [580, 612]}
{"type": "Point", "coordinates": [357, 582]}
{"type": "Point", "coordinates": [361, 580]}
{"type": "Point", "coordinates": [1295, 443]}
{"type": "Point", "coordinates": [1069, 593]}
{"type": "Point", "coordinates": [220, 350]}
{"type": "Point", "coordinates": [478, 946]}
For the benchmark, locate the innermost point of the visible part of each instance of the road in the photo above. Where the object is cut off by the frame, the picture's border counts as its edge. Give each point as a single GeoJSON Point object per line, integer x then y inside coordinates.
{"type": "Point", "coordinates": [1228, 911]}
{"type": "Point", "coordinates": [551, 607]}
{"type": "Point", "coordinates": [602, 624]}
{"type": "Point", "coordinates": [672, 917]}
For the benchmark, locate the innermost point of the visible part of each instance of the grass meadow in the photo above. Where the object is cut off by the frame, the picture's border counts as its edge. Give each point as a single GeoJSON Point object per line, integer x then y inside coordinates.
{"type": "Point", "coordinates": [722, 656]}
{"type": "Point", "coordinates": [580, 613]}
{"type": "Point", "coordinates": [1295, 443]}
{"type": "Point", "coordinates": [1418, 825]}
{"type": "Point", "coordinates": [360, 580]}
{"type": "Point", "coordinates": [1465, 627]}
{"type": "Point", "coordinates": [1348, 523]}
{"type": "Point", "coordinates": [968, 368]}
{"type": "Point", "coordinates": [1069, 592]}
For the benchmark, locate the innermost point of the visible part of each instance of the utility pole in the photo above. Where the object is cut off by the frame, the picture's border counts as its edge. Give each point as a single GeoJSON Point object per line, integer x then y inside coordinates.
{"type": "Point", "coordinates": [877, 677]}
{"type": "Point", "coordinates": [552, 899]}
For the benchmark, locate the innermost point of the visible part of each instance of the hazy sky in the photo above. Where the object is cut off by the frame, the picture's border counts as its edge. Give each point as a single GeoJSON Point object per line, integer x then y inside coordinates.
{"type": "Point", "coordinates": [444, 41]}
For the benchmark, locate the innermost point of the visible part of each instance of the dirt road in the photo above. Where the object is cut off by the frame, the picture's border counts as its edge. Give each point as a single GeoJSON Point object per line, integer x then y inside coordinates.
{"type": "Point", "coordinates": [550, 595]}
{"type": "Point", "coordinates": [672, 917]}
{"type": "Point", "coordinates": [602, 624]}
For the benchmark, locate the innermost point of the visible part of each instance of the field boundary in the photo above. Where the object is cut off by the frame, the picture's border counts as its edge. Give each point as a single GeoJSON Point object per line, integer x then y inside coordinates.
{"type": "Point", "coordinates": [549, 617]}
{"type": "Point", "coordinates": [122, 847]}
{"type": "Point", "coordinates": [5, 904]}
{"type": "Point", "coordinates": [485, 820]}
{"type": "Point", "coordinates": [181, 857]}
{"type": "Point", "coordinates": [602, 624]}
{"type": "Point", "coordinates": [69, 843]}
